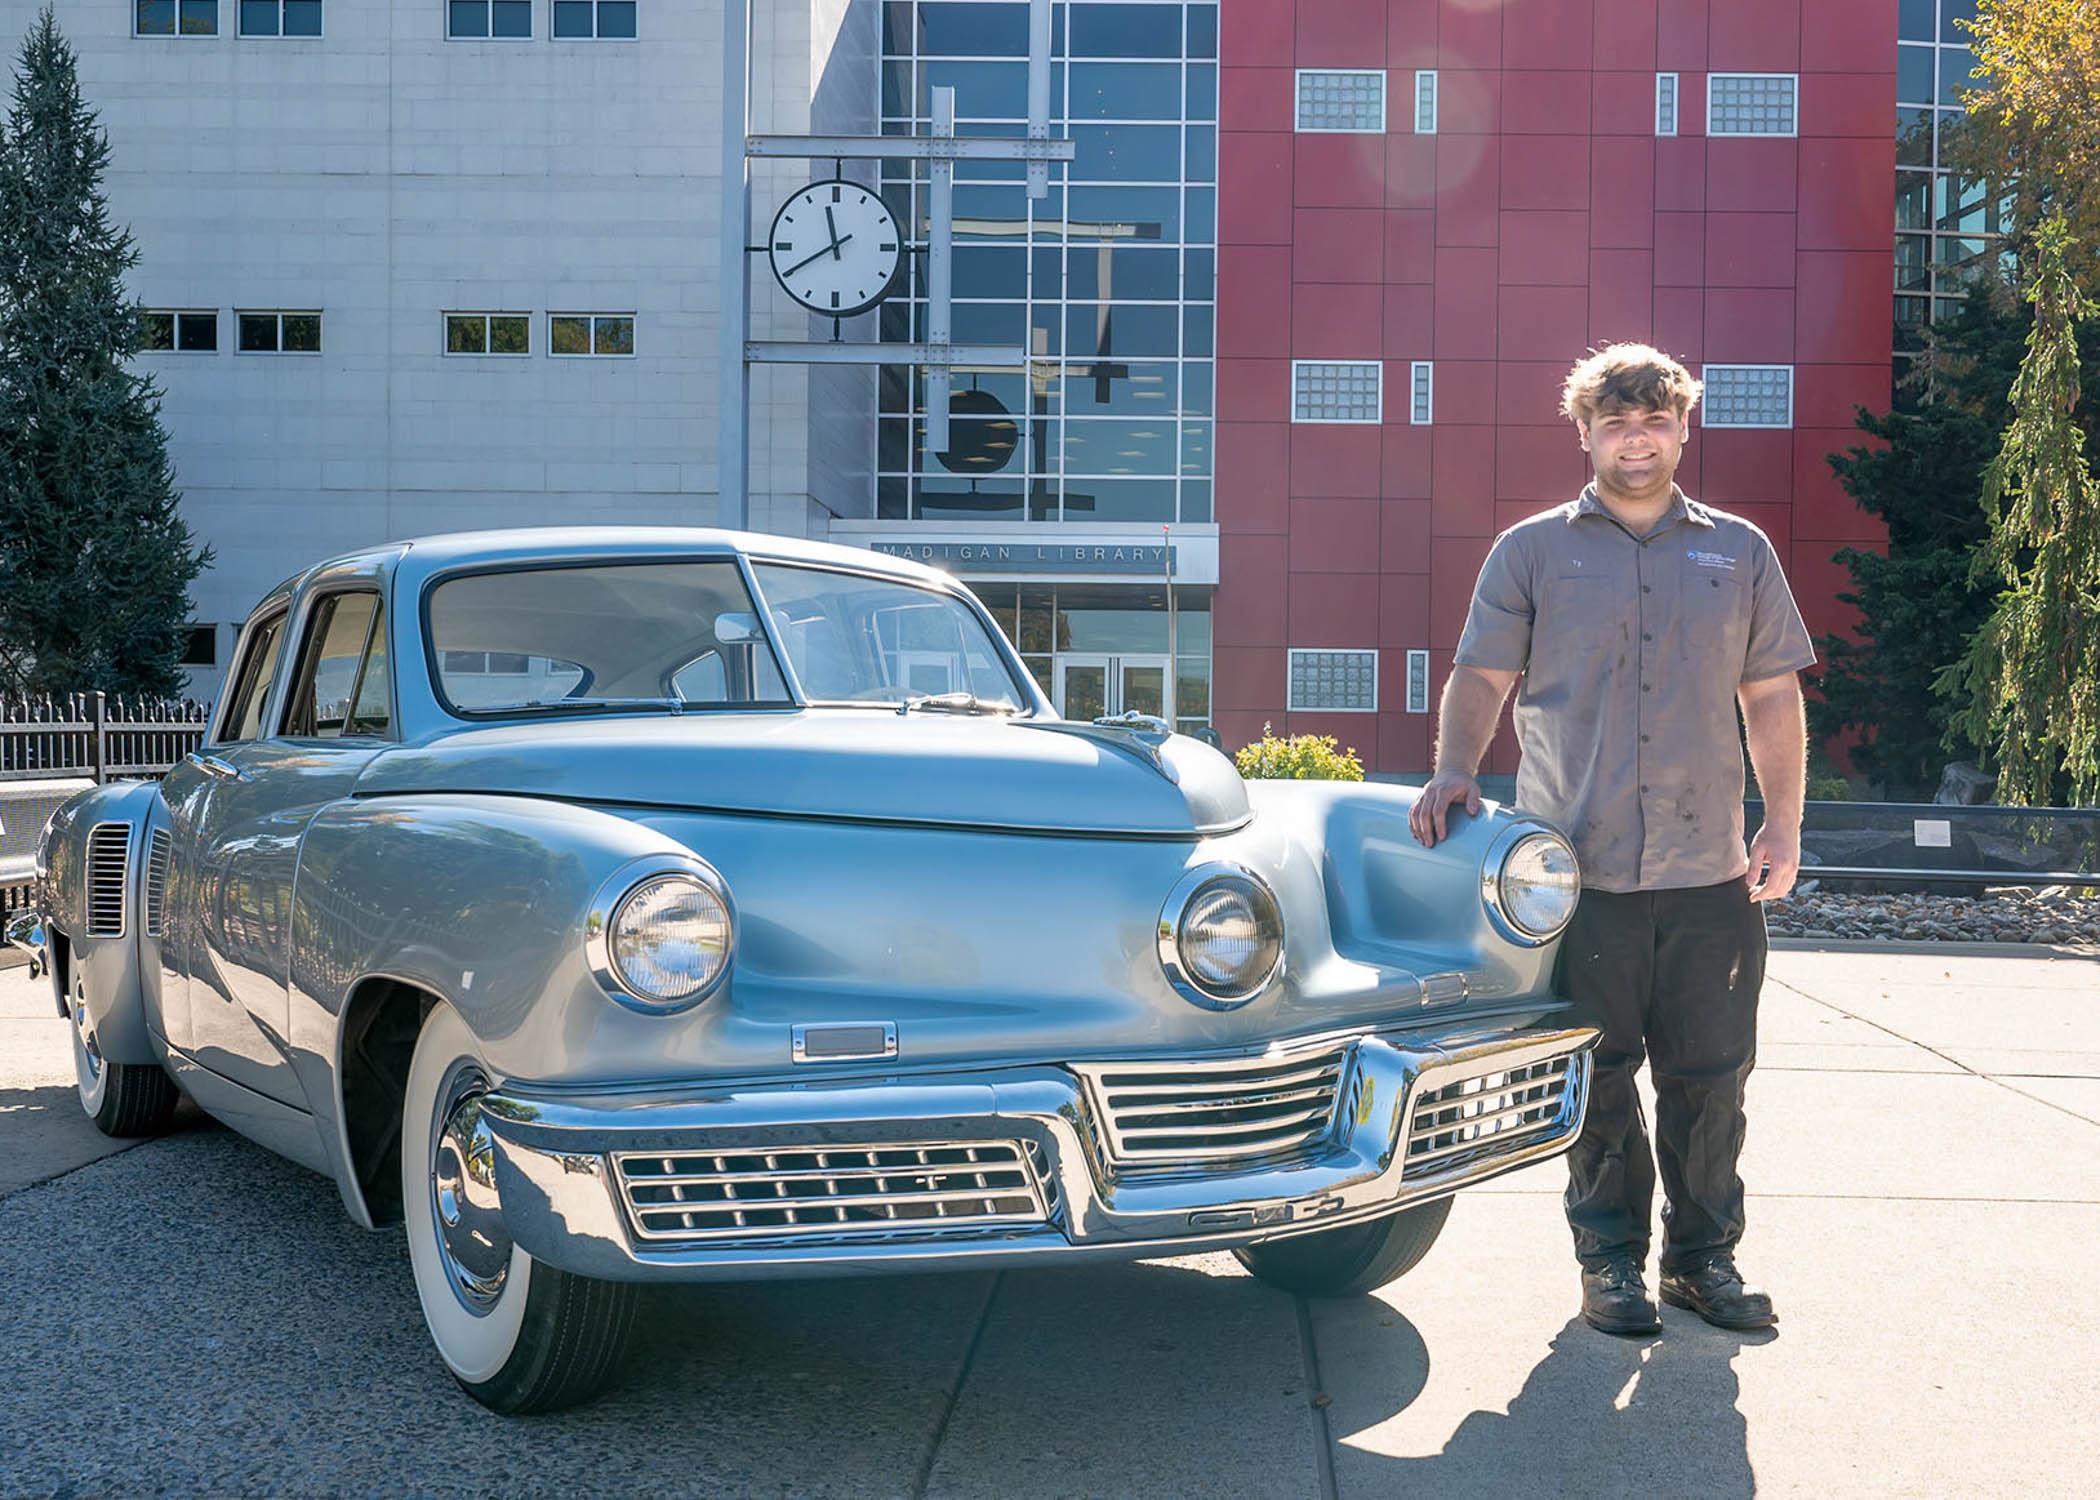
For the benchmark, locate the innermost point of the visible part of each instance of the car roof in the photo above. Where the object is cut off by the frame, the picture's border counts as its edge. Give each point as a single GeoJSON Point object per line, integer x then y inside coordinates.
{"type": "Point", "coordinates": [427, 555]}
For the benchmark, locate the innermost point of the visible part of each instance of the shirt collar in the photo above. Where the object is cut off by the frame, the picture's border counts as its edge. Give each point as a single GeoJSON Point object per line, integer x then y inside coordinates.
{"type": "Point", "coordinates": [1682, 508]}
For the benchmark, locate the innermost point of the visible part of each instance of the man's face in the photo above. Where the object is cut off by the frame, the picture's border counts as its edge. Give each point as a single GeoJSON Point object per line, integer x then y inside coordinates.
{"type": "Point", "coordinates": [1635, 451]}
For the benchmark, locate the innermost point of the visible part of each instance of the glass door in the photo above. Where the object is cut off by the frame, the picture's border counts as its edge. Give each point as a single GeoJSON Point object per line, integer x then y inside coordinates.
{"type": "Point", "coordinates": [1141, 686]}
{"type": "Point", "coordinates": [1082, 687]}
{"type": "Point", "coordinates": [1089, 687]}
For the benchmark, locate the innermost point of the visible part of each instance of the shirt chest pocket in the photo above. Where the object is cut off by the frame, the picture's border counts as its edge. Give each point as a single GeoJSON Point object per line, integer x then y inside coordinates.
{"type": "Point", "coordinates": [1716, 620]}
{"type": "Point", "coordinates": [1579, 613]}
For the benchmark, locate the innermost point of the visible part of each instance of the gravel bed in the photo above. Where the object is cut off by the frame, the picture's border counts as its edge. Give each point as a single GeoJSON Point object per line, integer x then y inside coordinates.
{"type": "Point", "coordinates": [2007, 914]}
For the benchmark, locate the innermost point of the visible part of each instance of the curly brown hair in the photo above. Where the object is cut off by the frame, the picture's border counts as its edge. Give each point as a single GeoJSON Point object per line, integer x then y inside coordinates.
{"type": "Point", "coordinates": [1627, 377]}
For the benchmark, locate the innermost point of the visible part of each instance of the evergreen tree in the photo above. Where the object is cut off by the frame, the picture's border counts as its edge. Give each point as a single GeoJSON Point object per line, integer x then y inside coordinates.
{"type": "Point", "coordinates": [2029, 688]}
{"type": "Point", "coordinates": [95, 560]}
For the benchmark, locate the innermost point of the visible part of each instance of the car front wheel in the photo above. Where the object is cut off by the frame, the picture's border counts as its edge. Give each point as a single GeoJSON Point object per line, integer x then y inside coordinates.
{"type": "Point", "coordinates": [518, 1334]}
{"type": "Point", "coordinates": [1352, 1260]}
{"type": "Point", "coordinates": [123, 1099]}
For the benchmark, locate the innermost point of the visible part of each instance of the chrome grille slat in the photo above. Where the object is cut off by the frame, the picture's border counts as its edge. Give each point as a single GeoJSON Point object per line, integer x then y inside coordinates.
{"type": "Point", "coordinates": [157, 883]}
{"type": "Point", "coordinates": [109, 869]}
{"type": "Point", "coordinates": [1210, 1114]}
{"type": "Point", "coordinates": [771, 1193]}
{"type": "Point", "coordinates": [1491, 1114]}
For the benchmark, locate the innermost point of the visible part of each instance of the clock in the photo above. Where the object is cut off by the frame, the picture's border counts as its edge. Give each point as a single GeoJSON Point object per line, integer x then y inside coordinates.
{"type": "Point", "coordinates": [835, 248]}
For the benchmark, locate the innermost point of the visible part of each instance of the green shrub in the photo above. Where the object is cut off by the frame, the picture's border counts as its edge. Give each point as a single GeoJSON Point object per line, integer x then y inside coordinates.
{"type": "Point", "coordinates": [1302, 757]}
{"type": "Point", "coordinates": [1829, 789]}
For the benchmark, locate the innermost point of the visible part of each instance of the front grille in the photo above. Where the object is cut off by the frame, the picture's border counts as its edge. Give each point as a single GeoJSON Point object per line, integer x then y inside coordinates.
{"type": "Point", "coordinates": [1205, 1116]}
{"type": "Point", "coordinates": [109, 864]}
{"type": "Point", "coordinates": [157, 883]}
{"type": "Point", "coordinates": [1494, 1114]}
{"type": "Point", "coordinates": [831, 1192]}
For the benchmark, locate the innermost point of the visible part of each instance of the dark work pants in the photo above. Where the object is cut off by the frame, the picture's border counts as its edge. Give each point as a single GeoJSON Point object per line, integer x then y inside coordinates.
{"type": "Point", "coordinates": [1672, 975]}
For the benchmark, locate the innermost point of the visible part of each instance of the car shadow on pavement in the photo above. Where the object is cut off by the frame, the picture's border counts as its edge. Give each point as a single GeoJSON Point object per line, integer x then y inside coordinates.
{"type": "Point", "coordinates": [1598, 1415]}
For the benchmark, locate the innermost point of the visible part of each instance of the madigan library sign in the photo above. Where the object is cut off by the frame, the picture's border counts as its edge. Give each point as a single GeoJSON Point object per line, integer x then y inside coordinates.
{"type": "Point", "coordinates": [1037, 557]}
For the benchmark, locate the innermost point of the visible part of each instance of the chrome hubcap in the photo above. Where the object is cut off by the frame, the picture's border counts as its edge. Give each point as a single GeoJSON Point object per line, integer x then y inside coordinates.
{"type": "Point", "coordinates": [469, 1216]}
{"type": "Point", "coordinates": [85, 1049]}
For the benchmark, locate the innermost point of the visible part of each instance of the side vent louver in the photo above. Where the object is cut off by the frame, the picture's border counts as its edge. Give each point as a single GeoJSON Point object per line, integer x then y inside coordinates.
{"type": "Point", "coordinates": [108, 856]}
{"type": "Point", "coordinates": [157, 884]}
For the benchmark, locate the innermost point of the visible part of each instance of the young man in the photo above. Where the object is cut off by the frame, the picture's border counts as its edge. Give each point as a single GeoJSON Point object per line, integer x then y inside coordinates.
{"type": "Point", "coordinates": [1638, 620]}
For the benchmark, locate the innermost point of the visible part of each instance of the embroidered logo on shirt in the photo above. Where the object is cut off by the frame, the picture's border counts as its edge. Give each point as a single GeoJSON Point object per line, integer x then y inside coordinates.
{"type": "Point", "coordinates": [1712, 560]}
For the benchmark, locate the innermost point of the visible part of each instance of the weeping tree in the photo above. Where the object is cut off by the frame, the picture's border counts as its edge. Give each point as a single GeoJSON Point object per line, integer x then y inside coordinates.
{"type": "Point", "coordinates": [2029, 689]}
{"type": "Point", "coordinates": [95, 560]}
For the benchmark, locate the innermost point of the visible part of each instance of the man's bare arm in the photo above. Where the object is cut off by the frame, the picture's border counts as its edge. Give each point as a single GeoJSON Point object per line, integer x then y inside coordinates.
{"type": "Point", "coordinates": [1776, 726]}
{"type": "Point", "coordinates": [1466, 721]}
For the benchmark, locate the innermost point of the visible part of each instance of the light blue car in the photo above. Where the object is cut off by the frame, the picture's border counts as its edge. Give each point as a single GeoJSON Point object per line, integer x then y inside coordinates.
{"type": "Point", "coordinates": [616, 906]}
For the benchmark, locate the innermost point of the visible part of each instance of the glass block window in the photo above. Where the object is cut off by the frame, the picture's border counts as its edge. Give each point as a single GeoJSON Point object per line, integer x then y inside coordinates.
{"type": "Point", "coordinates": [603, 20]}
{"type": "Point", "coordinates": [1339, 99]}
{"type": "Point", "coordinates": [279, 332]}
{"type": "Point", "coordinates": [1325, 390]}
{"type": "Point", "coordinates": [1425, 102]}
{"type": "Point", "coordinates": [472, 20]}
{"type": "Point", "coordinates": [573, 335]}
{"type": "Point", "coordinates": [178, 332]}
{"type": "Point", "coordinates": [488, 333]}
{"type": "Point", "coordinates": [1421, 378]}
{"type": "Point", "coordinates": [280, 17]}
{"type": "Point", "coordinates": [1750, 103]}
{"type": "Point", "coordinates": [1748, 396]}
{"type": "Point", "coordinates": [1334, 681]}
{"type": "Point", "coordinates": [1418, 682]}
{"type": "Point", "coordinates": [176, 17]}
{"type": "Point", "coordinates": [1666, 104]}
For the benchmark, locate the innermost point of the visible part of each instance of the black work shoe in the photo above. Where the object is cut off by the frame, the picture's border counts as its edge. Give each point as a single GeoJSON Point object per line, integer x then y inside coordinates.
{"type": "Point", "coordinates": [1715, 1291]}
{"type": "Point", "coordinates": [1615, 1300]}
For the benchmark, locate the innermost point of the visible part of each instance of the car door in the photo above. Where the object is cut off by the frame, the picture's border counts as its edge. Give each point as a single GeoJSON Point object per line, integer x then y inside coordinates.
{"type": "Point", "coordinates": [335, 714]}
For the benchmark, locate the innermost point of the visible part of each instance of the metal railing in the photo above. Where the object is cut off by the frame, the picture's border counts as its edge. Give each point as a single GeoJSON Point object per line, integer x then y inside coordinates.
{"type": "Point", "coordinates": [1938, 844]}
{"type": "Point", "coordinates": [97, 735]}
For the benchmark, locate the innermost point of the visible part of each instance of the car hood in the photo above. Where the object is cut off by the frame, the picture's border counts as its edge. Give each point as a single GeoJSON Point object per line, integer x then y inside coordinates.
{"type": "Point", "coordinates": [1028, 775]}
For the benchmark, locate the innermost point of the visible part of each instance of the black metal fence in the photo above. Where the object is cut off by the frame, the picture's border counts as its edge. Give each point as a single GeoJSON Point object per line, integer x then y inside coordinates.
{"type": "Point", "coordinates": [97, 735]}
{"type": "Point", "coordinates": [1952, 849]}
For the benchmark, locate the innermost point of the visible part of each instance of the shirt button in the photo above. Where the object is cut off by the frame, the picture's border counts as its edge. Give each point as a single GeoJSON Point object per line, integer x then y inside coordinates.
{"type": "Point", "coordinates": [1646, 689]}
{"type": "Point", "coordinates": [1644, 739]}
{"type": "Point", "coordinates": [1646, 589]}
{"type": "Point", "coordinates": [1647, 635]}
{"type": "Point", "coordinates": [1644, 788]}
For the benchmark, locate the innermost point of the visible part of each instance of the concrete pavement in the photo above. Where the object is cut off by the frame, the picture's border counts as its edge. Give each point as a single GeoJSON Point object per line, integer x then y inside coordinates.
{"type": "Point", "coordinates": [195, 1315]}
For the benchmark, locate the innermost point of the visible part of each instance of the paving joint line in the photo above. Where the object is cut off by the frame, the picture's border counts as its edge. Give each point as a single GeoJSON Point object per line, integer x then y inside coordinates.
{"type": "Point", "coordinates": [1990, 1078]}
{"type": "Point", "coordinates": [1323, 1434]}
{"type": "Point", "coordinates": [144, 1140]}
{"type": "Point", "coordinates": [962, 1376]}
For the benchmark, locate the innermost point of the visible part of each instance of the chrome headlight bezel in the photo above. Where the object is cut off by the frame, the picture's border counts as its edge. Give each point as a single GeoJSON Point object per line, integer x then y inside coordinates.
{"type": "Point", "coordinates": [612, 897]}
{"type": "Point", "coordinates": [1175, 913]}
{"type": "Point", "coordinates": [1496, 865]}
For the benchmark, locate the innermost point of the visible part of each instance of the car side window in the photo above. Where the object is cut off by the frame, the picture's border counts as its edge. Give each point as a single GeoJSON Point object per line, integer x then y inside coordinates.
{"type": "Point", "coordinates": [341, 684]}
{"type": "Point", "coordinates": [251, 685]}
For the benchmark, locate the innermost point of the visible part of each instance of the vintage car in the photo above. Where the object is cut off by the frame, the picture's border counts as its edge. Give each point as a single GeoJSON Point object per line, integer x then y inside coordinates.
{"type": "Point", "coordinates": [620, 906]}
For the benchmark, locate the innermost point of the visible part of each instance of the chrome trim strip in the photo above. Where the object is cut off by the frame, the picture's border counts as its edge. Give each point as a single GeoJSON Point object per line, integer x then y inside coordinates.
{"type": "Point", "coordinates": [799, 1038]}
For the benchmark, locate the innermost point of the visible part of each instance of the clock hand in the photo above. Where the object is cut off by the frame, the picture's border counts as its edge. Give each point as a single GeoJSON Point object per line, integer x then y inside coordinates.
{"type": "Point", "coordinates": [830, 249]}
{"type": "Point", "coordinates": [832, 228]}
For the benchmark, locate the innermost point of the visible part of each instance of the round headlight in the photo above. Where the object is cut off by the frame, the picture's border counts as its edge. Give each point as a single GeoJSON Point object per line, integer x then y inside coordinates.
{"type": "Point", "coordinates": [1221, 937]}
{"type": "Point", "coordinates": [1537, 886]}
{"type": "Point", "coordinates": [669, 939]}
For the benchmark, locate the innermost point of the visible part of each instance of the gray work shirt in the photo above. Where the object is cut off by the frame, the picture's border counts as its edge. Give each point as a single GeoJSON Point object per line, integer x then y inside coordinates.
{"type": "Point", "coordinates": [1631, 649]}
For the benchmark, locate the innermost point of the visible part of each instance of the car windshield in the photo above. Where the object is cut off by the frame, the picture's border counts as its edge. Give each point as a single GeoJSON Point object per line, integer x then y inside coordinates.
{"type": "Point", "coordinates": [601, 638]}
{"type": "Point", "coordinates": [853, 638]}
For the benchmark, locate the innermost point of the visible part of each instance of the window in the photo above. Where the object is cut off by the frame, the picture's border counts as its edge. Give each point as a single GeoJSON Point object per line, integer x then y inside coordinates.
{"type": "Point", "coordinates": [488, 333]}
{"type": "Point", "coordinates": [176, 17]}
{"type": "Point", "coordinates": [607, 20]}
{"type": "Point", "coordinates": [251, 685]}
{"type": "Point", "coordinates": [1750, 103]}
{"type": "Point", "coordinates": [200, 646]}
{"type": "Point", "coordinates": [280, 332]}
{"type": "Point", "coordinates": [1748, 396]}
{"type": "Point", "coordinates": [1666, 104]}
{"type": "Point", "coordinates": [341, 688]}
{"type": "Point", "coordinates": [504, 20]}
{"type": "Point", "coordinates": [577, 334]}
{"type": "Point", "coordinates": [1421, 392]}
{"type": "Point", "coordinates": [1336, 391]}
{"type": "Point", "coordinates": [1425, 102]}
{"type": "Point", "coordinates": [280, 17]}
{"type": "Point", "coordinates": [1418, 682]}
{"type": "Point", "coordinates": [1334, 681]}
{"type": "Point", "coordinates": [1341, 99]}
{"type": "Point", "coordinates": [178, 332]}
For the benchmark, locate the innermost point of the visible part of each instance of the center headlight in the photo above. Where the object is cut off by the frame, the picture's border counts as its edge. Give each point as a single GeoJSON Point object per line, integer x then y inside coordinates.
{"type": "Point", "coordinates": [1535, 889]}
{"type": "Point", "coordinates": [1221, 936]}
{"type": "Point", "coordinates": [668, 941]}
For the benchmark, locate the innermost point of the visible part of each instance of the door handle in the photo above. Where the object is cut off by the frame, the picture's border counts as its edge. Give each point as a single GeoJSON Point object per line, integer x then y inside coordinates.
{"type": "Point", "coordinates": [212, 766]}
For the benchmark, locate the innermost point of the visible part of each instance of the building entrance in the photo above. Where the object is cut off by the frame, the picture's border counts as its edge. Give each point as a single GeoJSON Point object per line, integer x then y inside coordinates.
{"type": "Point", "coordinates": [1089, 686]}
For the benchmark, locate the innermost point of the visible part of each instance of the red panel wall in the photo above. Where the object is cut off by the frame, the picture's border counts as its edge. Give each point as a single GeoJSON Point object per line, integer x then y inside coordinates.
{"type": "Point", "coordinates": [1543, 217]}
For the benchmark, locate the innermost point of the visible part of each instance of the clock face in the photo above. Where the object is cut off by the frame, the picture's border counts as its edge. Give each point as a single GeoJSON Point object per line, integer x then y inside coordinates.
{"type": "Point", "coordinates": [835, 248]}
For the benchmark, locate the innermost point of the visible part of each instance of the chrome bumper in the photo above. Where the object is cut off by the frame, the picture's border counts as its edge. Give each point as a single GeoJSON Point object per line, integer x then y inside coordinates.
{"type": "Point", "coordinates": [563, 1201]}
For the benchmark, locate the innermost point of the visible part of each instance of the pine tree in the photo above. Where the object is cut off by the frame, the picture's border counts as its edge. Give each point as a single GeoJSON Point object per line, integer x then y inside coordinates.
{"type": "Point", "coordinates": [95, 559]}
{"type": "Point", "coordinates": [2029, 689]}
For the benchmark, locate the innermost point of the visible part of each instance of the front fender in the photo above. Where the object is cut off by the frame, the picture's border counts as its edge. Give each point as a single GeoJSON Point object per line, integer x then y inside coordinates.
{"type": "Point", "coordinates": [114, 974]}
